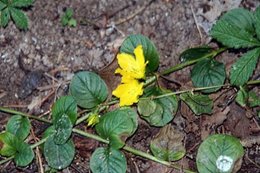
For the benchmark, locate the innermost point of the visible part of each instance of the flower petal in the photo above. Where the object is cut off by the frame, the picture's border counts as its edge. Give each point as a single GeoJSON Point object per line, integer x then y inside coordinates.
{"type": "Point", "coordinates": [128, 93]}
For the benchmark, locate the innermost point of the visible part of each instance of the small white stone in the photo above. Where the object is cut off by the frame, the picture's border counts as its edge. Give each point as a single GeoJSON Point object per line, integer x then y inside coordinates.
{"type": "Point", "coordinates": [224, 163]}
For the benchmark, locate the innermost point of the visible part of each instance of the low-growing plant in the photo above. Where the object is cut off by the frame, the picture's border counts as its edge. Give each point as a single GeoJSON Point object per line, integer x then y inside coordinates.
{"type": "Point", "coordinates": [12, 9]}
{"type": "Point", "coordinates": [67, 18]}
{"type": "Point", "coordinates": [138, 62]}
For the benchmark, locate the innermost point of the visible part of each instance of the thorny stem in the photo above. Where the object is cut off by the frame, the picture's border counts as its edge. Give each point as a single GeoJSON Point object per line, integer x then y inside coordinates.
{"type": "Point", "coordinates": [185, 64]}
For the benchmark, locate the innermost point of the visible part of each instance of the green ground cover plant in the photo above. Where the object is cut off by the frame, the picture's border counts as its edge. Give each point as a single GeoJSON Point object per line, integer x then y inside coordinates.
{"type": "Point", "coordinates": [138, 62]}
{"type": "Point", "coordinates": [12, 10]}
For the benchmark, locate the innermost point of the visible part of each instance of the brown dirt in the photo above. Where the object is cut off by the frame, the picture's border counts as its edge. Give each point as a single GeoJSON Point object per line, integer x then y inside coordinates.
{"type": "Point", "coordinates": [59, 52]}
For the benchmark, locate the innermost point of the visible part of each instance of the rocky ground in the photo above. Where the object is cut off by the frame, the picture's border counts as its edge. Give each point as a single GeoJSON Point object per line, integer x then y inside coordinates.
{"type": "Point", "coordinates": [49, 54]}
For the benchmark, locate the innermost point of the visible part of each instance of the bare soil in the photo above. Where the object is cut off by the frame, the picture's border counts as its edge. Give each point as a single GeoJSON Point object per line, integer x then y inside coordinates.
{"type": "Point", "coordinates": [36, 66]}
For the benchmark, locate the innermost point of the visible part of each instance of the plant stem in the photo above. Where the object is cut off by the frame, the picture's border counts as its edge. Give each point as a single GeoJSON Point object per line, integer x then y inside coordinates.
{"type": "Point", "coordinates": [132, 150]}
{"type": "Point", "coordinates": [185, 64]}
{"type": "Point", "coordinates": [184, 91]}
{"type": "Point", "coordinates": [7, 110]}
{"type": "Point", "coordinates": [150, 80]}
{"type": "Point", "coordinates": [89, 135]}
{"type": "Point", "coordinates": [83, 118]}
{"type": "Point", "coordinates": [6, 160]}
{"type": "Point", "coordinates": [38, 143]}
{"type": "Point", "coordinates": [32, 146]}
{"type": "Point", "coordinates": [253, 82]}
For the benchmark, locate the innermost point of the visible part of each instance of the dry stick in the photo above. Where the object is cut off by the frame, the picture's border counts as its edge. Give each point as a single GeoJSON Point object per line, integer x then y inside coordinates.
{"type": "Point", "coordinates": [120, 21]}
{"type": "Point", "coordinates": [196, 22]}
{"type": "Point", "coordinates": [38, 153]}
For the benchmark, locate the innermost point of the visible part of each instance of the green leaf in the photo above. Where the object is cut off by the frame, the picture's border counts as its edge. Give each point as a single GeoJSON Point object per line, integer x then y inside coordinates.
{"type": "Point", "coordinates": [24, 154]}
{"type": "Point", "coordinates": [69, 13]}
{"type": "Point", "coordinates": [150, 52]}
{"type": "Point", "coordinates": [65, 105]}
{"type": "Point", "coordinates": [19, 18]}
{"type": "Point", "coordinates": [2, 6]}
{"type": "Point", "coordinates": [146, 107]}
{"type": "Point", "coordinates": [257, 22]}
{"type": "Point", "coordinates": [5, 1]}
{"type": "Point", "coordinates": [242, 97]}
{"type": "Point", "coordinates": [195, 53]}
{"type": "Point", "coordinates": [165, 107]}
{"type": "Point", "coordinates": [208, 72]}
{"type": "Point", "coordinates": [107, 160]}
{"type": "Point", "coordinates": [6, 144]}
{"type": "Point", "coordinates": [117, 125]}
{"type": "Point", "coordinates": [4, 17]}
{"type": "Point", "coordinates": [64, 20]}
{"type": "Point", "coordinates": [242, 69]}
{"type": "Point", "coordinates": [232, 36]}
{"type": "Point", "coordinates": [241, 18]}
{"type": "Point", "coordinates": [72, 23]}
{"type": "Point", "coordinates": [167, 144]}
{"type": "Point", "coordinates": [219, 153]}
{"type": "Point", "coordinates": [21, 3]}
{"type": "Point", "coordinates": [12, 146]}
{"type": "Point", "coordinates": [88, 89]}
{"type": "Point", "coordinates": [254, 99]}
{"type": "Point", "coordinates": [19, 126]}
{"type": "Point", "coordinates": [63, 129]}
{"type": "Point", "coordinates": [199, 104]}
{"type": "Point", "coordinates": [58, 156]}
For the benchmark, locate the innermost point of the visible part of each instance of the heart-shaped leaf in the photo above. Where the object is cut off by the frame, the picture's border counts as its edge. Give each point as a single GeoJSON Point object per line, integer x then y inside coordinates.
{"type": "Point", "coordinates": [117, 125]}
{"type": "Point", "coordinates": [107, 160]}
{"type": "Point", "coordinates": [58, 156]}
{"type": "Point", "coordinates": [64, 105]}
{"type": "Point", "coordinates": [7, 144]}
{"type": "Point", "coordinates": [146, 107]}
{"type": "Point", "coordinates": [13, 146]}
{"type": "Point", "coordinates": [165, 107]}
{"type": "Point", "coordinates": [19, 126]}
{"type": "Point", "coordinates": [24, 154]}
{"type": "Point", "coordinates": [219, 153]}
{"type": "Point", "coordinates": [195, 53]}
{"type": "Point", "coordinates": [198, 103]}
{"type": "Point", "coordinates": [150, 52]}
{"type": "Point", "coordinates": [88, 89]}
{"type": "Point", "coordinates": [167, 144]}
{"type": "Point", "coordinates": [63, 129]}
{"type": "Point", "coordinates": [208, 73]}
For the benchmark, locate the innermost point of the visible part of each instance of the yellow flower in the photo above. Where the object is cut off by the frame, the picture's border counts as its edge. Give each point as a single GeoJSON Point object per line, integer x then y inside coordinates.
{"type": "Point", "coordinates": [132, 67]}
{"type": "Point", "coordinates": [93, 119]}
{"type": "Point", "coordinates": [128, 93]}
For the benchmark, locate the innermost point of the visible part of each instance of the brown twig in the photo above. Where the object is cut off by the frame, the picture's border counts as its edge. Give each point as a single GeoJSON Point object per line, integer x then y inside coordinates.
{"type": "Point", "coordinates": [196, 22]}
{"type": "Point", "coordinates": [123, 20]}
{"type": "Point", "coordinates": [37, 151]}
{"type": "Point", "coordinates": [250, 160]}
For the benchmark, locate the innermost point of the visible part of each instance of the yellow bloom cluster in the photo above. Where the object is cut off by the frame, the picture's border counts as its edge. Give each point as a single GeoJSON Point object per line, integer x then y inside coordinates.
{"type": "Point", "coordinates": [132, 68]}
